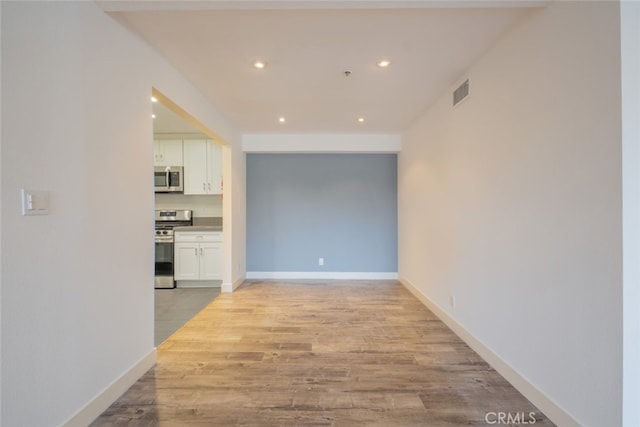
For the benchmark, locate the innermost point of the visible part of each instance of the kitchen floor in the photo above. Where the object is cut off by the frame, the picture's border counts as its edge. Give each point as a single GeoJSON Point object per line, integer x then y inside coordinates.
{"type": "Point", "coordinates": [175, 307]}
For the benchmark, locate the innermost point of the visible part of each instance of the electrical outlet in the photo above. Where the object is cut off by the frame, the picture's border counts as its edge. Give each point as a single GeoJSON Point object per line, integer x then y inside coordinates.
{"type": "Point", "coordinates": [321, 261]}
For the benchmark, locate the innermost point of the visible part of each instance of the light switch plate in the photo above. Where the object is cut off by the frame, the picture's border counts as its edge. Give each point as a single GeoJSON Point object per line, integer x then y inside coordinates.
{"type": "Point", "coordinates": [35, 202]}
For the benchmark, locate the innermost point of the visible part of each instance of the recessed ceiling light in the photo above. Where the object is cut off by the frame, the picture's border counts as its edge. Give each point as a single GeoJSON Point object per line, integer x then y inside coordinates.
{"type": "Point", "coordinates": [259, 65]}
{"type": "Point", "coordinates": [153, 116]}
{"type": "Point", "coordinates": [154, 99]}
{"type": "Point", "coordinates": [384, 63]}
{"type": "Point", "coordinates": [360, 119]}
{"type": "Point", "coordinates": [282, 119]}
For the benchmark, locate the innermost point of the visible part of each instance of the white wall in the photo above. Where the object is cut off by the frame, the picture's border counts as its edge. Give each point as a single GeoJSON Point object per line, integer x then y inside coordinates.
{"type": "Point", "coordinates": [511, 202]}
{"type": "Point", "coordinates": [320, 143]}
{"type": "Point", "coordinates": [630, 32]}
{"type": "Point", "coordinates": [77, 293]}
{"type": "Point", "coordinates": [234, 214]}
{"type": "Point", "coordinates": [1, 239]}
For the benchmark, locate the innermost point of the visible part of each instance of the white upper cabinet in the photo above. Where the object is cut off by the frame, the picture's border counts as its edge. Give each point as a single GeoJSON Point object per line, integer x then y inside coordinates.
{"type": "Point", "coordinates": [202, 167]}
{"type": "Point", "coordinates": [167, 152]}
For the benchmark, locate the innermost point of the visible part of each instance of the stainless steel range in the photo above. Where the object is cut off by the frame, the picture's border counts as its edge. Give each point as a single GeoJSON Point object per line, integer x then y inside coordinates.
{"type": "Point", "coordinates": [166, 220]}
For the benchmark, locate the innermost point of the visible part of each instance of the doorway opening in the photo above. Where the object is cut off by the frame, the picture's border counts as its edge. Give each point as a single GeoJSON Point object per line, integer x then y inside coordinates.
{"type": "Point", "coordinates": [187, 161]}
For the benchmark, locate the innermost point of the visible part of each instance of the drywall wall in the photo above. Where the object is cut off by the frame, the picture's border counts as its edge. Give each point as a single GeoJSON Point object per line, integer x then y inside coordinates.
{"type": "Point", "coordinates": [234, 207]}
{"type": "Point", "coordinates": [511, 202]}
{"type": "Point", "coordinates": [77, 284]}
{"type": "Point", "coordinates": [321, 143]}
{"type": "Point", "coordinates": [630, 48]}
{"type": "Point", "coordinates": [1, 239]}
{"type": "Point", "coordinates": [340, 207]}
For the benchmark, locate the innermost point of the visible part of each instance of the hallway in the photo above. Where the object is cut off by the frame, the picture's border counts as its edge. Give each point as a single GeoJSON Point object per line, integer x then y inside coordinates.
{"type": "Point", "coordinates": [318, 353]}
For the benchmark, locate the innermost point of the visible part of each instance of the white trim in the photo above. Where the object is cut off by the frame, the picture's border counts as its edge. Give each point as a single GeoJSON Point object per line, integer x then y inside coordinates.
{"type": "Point", "coordinates": [549, 407]}
{"type": "Point", "coordinates": [230, 287]}
{"type": "Point", "coordinates": [112, 392]}
{"type": "Point", "coordinates": [198, 283]}
{"type": "Point", "coordinates": [286, 275]}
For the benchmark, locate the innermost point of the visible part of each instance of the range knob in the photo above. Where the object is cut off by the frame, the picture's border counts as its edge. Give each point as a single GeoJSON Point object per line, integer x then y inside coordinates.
{"type": "Point", "coordinates": [165, 232]}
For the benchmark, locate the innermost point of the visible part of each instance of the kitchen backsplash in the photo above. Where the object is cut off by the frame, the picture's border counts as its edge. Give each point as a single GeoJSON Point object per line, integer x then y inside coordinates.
{"type": "Point", "coordinates": [208, 221]}
{"type": "Point", "coordinates": [202, 206]}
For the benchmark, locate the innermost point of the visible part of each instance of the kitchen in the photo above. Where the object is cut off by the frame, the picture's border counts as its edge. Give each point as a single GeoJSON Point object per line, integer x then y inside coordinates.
{"type": "Point", "coordinates": [188, 220]}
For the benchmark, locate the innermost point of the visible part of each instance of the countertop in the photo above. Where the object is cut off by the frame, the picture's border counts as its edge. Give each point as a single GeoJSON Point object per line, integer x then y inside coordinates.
{"type": "Point", "coordinates": [203, 224]}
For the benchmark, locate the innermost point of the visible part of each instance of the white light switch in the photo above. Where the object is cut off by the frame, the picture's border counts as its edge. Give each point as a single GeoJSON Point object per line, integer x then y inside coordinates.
{"type": "Point", "coordinates": [35, 202]}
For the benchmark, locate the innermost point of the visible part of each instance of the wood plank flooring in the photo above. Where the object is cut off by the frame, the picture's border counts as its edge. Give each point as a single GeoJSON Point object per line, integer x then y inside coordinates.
{"type": "Point", "coordinates": [310, 353]}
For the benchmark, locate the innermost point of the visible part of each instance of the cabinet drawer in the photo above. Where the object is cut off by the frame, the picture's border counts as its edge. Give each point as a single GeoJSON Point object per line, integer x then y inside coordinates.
{"type": "Point", "coordinates": [192, 236]}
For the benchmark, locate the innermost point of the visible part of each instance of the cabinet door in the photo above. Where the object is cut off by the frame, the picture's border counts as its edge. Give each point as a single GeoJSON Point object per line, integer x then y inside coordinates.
{"type": "Point", "coordinates": [172, 152]}
{"type": "Point", "coordinates": [167, 152]}
{"type": "Point", "coordinates": [158, 153]}
{"type": "Point", "coordinates": [211, 261]}
{"type": "Point", "coordinates": [214, 166]}
{"type": "Point", "coordinates": [186, 261]}
{"type": "Point", "coordinates": [195, 166]}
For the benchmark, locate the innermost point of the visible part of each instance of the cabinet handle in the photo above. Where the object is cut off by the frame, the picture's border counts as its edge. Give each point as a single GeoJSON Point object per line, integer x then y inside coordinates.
{"type": "Point", "coordinates": [204, 187]}
{"type": "Point", "coordinates": [196, 251]}
{"type": "Point", "coordinates": [209, 185]}
{"type": "Point", "coordinates": [200, 251]}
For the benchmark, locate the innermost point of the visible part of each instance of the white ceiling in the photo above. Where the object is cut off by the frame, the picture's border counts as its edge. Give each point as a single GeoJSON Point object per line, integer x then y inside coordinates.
{"type": "Point", "coordinates": [308, 51]}
{"type": "Point", "coordinates": [167, 121]}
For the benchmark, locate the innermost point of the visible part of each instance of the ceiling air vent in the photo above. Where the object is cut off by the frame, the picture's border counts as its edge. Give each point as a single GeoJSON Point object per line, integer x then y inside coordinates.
{"type": "Point", "coordinates": [461, 92]}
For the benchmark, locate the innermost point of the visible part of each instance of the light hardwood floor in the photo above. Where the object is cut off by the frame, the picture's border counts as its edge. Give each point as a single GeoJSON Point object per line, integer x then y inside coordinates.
{"type": "Point", "coordinates": [310, 353]}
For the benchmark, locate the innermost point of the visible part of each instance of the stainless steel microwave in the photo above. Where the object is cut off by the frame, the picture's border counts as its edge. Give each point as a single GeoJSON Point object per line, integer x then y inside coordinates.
{"type": "Point", "coordinates": [168, 179]}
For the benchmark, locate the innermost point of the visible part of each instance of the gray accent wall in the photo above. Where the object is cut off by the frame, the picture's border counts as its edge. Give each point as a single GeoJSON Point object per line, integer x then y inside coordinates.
{"type": "Point", "coordinates": [342, 207]}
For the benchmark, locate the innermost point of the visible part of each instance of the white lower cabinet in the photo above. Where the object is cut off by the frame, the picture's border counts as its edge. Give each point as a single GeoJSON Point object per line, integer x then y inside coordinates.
{"type": "Point", "coordinates": [211, 261]}
{"type": "Point", "coordinates": [197, 257]}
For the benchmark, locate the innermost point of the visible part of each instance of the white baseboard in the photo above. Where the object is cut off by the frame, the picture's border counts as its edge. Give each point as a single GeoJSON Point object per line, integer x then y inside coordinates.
{"type": "Point", "coordinates": [230, 287]}
{"type": "Point", "coordinates": [112, 392]}
{"type": "Point", "coordinates": [287, 275]}
{"type": "Point", "coordinates": [198, 283]}
{"type": "Point", "coordinates": [543, 402]}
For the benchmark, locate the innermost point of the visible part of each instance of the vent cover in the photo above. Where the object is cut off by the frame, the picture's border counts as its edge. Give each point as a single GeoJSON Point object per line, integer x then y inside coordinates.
{"type": "Point", "coordinates": [461, 92]}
